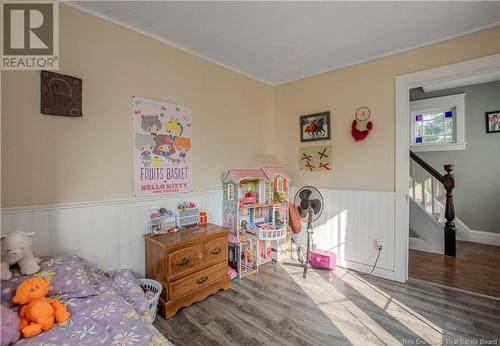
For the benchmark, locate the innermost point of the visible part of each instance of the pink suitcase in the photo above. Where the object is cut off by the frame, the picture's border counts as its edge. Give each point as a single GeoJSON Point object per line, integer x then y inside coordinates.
{"type": "Point", "coordinates": [323, 260]}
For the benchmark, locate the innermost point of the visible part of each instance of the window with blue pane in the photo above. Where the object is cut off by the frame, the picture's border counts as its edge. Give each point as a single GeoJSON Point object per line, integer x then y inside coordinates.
{"type": "Point", "coordinates": [434, 127]}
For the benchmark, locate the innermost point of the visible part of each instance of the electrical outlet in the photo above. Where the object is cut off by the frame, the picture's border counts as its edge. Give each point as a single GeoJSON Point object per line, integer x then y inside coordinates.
{"type": "Point", "coordinates": [378, 244]}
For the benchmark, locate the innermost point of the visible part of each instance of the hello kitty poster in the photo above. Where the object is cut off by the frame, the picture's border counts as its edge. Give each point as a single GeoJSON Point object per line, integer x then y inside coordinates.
{"type": "Point", "coordinates": [162, 147]}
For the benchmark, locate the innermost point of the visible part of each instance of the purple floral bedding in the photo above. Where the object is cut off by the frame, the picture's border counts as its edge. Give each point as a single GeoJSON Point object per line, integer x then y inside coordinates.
{"type": "Point", "coordinates": [106, 308]}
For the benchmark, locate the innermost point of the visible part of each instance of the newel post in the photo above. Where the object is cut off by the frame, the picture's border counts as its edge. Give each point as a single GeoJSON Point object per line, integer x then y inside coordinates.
{"type": "Point", "coordinates": [449, 213]}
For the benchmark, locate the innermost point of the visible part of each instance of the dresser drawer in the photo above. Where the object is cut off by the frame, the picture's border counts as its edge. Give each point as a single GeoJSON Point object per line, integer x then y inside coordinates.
{"type": "Point", "coordinates": [197, 280]}
{"type": "Point", "coordinates": [216, 250]}
{"type": "Point", "coordinates": [183, 260]}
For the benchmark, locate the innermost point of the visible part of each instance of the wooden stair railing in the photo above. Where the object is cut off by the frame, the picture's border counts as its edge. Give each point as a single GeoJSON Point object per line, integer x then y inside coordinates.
{"type": "Point", "coordinates": [448, 181]}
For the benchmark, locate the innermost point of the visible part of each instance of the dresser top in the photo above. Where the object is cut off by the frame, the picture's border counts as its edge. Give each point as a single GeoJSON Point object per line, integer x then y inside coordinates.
{"type": "Point", "coordinates": [188, 234]}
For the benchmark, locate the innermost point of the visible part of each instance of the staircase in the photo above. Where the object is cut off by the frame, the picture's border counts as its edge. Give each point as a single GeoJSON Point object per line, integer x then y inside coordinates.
{"type": "Point", "coordinates": [432, 213]}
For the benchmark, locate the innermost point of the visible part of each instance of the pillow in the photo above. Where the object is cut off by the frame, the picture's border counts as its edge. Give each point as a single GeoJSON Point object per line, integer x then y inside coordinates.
{"type": "Point", "coordinates": [126, 284]}
{"type": "Point", "coordinates": [66, 276]}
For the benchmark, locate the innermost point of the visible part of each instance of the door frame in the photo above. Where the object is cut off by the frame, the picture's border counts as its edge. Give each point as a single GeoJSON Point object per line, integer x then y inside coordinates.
{"type": "Point", "coordinates": [487, 65]}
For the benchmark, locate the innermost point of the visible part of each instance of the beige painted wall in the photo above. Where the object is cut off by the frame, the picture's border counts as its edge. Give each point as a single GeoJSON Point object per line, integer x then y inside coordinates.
{"type": "Point", "coordinates": [50, 159]}
{"type": "Point", "coordinates": [366, 165]}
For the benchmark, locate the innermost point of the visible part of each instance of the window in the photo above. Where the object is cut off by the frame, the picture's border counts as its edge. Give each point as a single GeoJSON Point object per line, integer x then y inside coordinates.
{"type": "Point", "coordinates": [230, 192]}
{"type": "Point", "coordinates": [435, 127]}
{"type": "Point", "coordinates": [279, 184]}
{"type": "Point", "coordinates": [438, 123]}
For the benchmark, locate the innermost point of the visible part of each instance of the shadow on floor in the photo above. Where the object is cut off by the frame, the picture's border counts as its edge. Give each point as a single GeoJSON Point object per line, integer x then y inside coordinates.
{"type": "Point", "coordinates": [276, 306]}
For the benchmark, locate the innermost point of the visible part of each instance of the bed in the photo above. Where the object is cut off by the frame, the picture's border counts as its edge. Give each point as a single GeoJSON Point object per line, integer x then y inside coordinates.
{"type": "Point", "coordinates": [107, 308]}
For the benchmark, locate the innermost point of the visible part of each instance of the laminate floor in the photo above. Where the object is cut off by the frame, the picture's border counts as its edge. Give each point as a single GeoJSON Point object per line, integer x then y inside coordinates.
{"type": "Point", "coordinates": [276, 306]}
{"type": "Point", "coordinates": [475, 268]}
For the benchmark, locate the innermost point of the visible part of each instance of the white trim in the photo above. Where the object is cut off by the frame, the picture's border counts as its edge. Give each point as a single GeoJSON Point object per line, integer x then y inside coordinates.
{"type": "Point", "coordinates": [85, 229]}
{"type": "Point", "coordinates": [457, 83]}
{"type": "Point", "coordinates": [89, 204]}
{"type": "Point", "coordinates": [439, 147]}
{"type": "Point", "coordinates": [402, 104]}
{"type": "Point", "coordinates": [438, 102]}
{"type": "Point", "coordinates": [488, 238]}
{"type": "Point", "coordinates": [72, 3]}
{"type": "Point", "coordinates": [364, 268]}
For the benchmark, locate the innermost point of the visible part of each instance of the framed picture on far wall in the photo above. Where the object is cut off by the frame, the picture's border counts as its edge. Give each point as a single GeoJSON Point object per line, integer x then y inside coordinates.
{"type": "Point", "coordinates": [315, 127]}
{"type": "Point", "coordinates": [493, 122]}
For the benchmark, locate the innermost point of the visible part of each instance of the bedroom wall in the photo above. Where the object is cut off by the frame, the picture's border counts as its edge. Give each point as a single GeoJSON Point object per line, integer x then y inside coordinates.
{"type": "Point", "coordinates": [50, 159]}
{"type": "Point", "coordinates": [366, 165]}
{"type": "Point", "coordinates": [65, 162]}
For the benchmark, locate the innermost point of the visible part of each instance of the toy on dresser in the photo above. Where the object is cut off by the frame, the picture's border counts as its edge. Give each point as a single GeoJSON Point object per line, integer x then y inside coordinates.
{"type": "Point", "coordinates": [164, 220]}
{"type": "Point", "coordinates": [187, 214]}
{"type": "Point", "coordinates": [161, 221]}
{"type": "Point", "coordinates": [255, 209]}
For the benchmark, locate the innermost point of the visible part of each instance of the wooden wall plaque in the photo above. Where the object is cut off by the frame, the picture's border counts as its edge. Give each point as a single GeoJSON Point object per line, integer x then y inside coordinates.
{"type": "Point", "coordinates": [60, 94]}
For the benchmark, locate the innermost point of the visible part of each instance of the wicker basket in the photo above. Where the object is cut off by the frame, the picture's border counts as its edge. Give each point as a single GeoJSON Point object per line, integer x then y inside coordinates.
{"type": "Point", "coordinates": [155, 287]}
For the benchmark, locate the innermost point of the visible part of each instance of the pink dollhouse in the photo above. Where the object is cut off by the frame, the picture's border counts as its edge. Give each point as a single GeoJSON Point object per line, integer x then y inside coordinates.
{"type": "Point", "coordinates": [255, 209]}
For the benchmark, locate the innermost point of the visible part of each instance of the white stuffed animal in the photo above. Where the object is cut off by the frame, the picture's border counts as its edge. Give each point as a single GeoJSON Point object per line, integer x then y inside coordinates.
{"type": "Point", "coordinates": [16, 248]}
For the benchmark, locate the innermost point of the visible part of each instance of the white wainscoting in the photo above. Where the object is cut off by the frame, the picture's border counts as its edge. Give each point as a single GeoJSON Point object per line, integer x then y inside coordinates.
{"type": "Point", "coordinates": [107, 234]}
{"type": "Point", "coordinates": [351, 223]}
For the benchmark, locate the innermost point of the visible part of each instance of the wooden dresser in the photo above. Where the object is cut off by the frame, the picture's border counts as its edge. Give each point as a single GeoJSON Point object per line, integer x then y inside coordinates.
{"type": "Point", "coordinates": [190, 264]}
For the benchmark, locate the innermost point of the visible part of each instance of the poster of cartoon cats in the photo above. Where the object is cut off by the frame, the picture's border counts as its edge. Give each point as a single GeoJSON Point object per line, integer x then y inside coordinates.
{"type": "Point", "coordinates": [162, 147]}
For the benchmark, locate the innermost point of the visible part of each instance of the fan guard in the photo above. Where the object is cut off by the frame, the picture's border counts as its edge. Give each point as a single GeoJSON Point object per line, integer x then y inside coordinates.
{"type": "Point", "coordinates": [309, 204]}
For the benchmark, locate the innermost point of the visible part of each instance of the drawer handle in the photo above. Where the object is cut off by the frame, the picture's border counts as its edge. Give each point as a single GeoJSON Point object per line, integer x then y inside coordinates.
{"type": "Point", "coordinates": [202, 280]}
{"type": "Point", "coordinates": [183, 261]}
{"type": "Point", "coordinates": [216, 251]}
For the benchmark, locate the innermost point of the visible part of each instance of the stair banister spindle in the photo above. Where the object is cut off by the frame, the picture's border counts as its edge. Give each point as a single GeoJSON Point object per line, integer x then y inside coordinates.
{"type": "Point", "coordinates": [449, 213]}
{"type": "Point", "coordinates": [433, 192]}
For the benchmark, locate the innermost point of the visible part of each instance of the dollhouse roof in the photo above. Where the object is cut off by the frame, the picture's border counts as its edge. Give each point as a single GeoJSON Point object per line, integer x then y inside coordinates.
{"type": "Point", "coordinates": [242, 174]}
{"type": "Point", "coordinates": [270, 172]}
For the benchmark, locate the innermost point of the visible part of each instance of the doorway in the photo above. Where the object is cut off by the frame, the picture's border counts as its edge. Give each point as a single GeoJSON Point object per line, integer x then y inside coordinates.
{"type": "Point", "coordinates": [468, 70]}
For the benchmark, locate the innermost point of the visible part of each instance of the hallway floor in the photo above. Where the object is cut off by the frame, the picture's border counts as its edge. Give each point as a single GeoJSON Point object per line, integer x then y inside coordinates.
{"type": "Point", "coordinates": [476, 268]}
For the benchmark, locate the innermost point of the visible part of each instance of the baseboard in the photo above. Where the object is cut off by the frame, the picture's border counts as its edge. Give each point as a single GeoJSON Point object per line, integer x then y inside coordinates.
{"type": "Point", "coordinates": [365, 269]}
{"type": "Point", "coordinates": [488, 238]}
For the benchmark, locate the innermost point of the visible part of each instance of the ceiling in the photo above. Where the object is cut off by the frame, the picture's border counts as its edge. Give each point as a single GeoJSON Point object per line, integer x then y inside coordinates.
{"type": "Point", "coordinates": [276, 42]}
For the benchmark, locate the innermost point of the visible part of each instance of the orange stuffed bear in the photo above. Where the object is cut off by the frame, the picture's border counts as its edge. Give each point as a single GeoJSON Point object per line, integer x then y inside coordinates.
{"type": "Point", "coordinates": [37, 312]}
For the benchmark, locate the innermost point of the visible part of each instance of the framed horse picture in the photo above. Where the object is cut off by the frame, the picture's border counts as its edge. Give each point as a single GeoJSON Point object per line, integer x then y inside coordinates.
{"type": "Point", "coordinates": [315, 127]}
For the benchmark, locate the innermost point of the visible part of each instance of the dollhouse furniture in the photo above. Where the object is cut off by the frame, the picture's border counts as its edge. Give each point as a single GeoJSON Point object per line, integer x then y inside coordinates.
{"type": "Point", "coordinates": [255, 209]}
{"type": "Point", "coordinates": [190, 265]}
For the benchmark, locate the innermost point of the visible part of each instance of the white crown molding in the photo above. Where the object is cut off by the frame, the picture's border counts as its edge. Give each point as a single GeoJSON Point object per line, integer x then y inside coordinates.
{"type": "Point", "coordinates": [72, 3]}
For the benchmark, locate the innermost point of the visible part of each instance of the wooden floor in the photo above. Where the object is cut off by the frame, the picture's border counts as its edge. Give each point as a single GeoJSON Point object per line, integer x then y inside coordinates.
{"type": "Point", "coordinates": [277, 307]}
{"type": "Point", "coordinates": [476, 268]}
